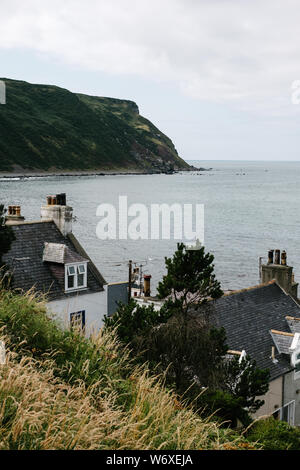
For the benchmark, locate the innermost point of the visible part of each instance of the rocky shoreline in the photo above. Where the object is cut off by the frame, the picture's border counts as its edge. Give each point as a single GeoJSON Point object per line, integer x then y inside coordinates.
{"type": "Point", "coordinates": [37, 174]}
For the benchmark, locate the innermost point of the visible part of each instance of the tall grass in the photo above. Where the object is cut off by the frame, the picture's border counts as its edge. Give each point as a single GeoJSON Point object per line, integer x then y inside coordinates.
{"type": "Point", "coordinates": [59, 390]}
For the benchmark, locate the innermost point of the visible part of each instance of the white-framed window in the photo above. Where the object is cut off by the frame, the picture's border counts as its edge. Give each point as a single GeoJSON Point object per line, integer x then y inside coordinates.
{"type": "Point", "coordinates": [75, 276]}
{"type": "Point", "coordinates": [286, 413]}
{"type": "Point", "coordinates": [77, 320]}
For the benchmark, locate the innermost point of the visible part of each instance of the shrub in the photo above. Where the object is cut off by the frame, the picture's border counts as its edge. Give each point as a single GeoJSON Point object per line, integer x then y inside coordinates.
{"type": "Point", "coordinates": [32, 332]}
{"type": "Point", "coordinates": [274, 435]}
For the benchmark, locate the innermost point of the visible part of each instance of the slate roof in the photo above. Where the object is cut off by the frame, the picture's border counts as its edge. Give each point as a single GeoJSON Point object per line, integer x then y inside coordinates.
{"type": "Point", "coordinates": [248, 317]}
{"type": "Point", "coordinates": [25, 260]}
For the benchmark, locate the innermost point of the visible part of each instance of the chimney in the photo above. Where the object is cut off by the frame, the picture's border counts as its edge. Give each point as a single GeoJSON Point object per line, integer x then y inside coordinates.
{"type": "Point", "coordinates": [58, 211]}
{"type": "Point", "coordinates": [270, 256]}
{"type": "Point", "coordinates": [14, 216]}
{"type": "Point", "coordinates": [283, 258]}
{"type": "Point", "coordinates": [147, 281]}
{"type": "Point", "coordinates": [279, 271]}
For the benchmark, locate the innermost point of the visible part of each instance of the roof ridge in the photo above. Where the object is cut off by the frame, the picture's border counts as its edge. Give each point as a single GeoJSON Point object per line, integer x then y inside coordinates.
{"type": "Point", "coordinates": [292, 318]}
{"type": "Point", "coordinates": [247, 289]}
{"type": "Point", "coordinates": [231, 351]}
{"type": "Point", "coordinates": [284, 333]}
{"type": "Point", "coordinates": [31, 222]}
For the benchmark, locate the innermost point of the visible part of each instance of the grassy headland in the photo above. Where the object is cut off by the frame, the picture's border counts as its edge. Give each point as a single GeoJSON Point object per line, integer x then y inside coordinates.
{"type": "Point", "coordinates": [45, 128]}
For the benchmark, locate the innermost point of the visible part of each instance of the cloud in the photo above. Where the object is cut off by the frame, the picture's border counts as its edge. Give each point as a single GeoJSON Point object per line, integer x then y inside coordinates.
{"type": "Point", "coordinates": [244, 52]}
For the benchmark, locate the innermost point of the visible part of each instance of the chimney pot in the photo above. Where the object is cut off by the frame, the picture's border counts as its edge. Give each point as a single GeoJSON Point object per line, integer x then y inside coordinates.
{"type": "Point", "coordinates": [277, 256]}
{"type": "Point", "coordinates": [271, 257]}
{"type": "Point", "coordinates": [147, 290]}
{"type": "Point", "coordinates": [14, 215]}
{"type": "Point", "coordinates": [283, 258]}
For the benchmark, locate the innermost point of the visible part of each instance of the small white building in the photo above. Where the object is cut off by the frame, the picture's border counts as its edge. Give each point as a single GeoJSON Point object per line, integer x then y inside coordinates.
{"type": "Point", "coordinates": [47, 256]}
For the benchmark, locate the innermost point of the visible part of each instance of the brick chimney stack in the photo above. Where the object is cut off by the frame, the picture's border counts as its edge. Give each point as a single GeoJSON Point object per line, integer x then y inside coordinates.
{"type": "Point", "coordinates": [278, 270]}
{"type": "Point", "coordinates": [58, 211]}
{"type": "Point", "coordinates": [14, 216]}
{"type": "Point", "coordinates": [147, 283]}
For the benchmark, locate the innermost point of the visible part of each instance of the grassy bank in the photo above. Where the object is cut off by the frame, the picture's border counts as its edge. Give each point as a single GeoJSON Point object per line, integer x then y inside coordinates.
{"type": "Point", "coordinates": [61, 391]}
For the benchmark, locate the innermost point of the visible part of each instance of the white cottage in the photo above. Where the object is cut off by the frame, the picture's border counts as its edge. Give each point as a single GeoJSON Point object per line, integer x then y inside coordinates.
{"type": "Point", "coordinates": [47, 256]}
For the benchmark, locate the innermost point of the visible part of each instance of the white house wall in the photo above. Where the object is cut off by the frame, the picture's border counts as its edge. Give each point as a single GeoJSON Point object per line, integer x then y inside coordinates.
{"type": "Point", "coordinates": [283, 390]}
{"type": "Point", "coordinates": [272, 399]}
{"type": "Point", "coordinates": [95, 306]}
{"type": "Point", "coordinates": [292, 393]}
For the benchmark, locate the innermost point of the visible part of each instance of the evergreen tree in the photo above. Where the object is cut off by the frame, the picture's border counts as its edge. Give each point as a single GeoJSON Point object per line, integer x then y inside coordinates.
{"type": "Point", "coordinates": [244, 380]}
{"type": "Point", "coordinates": [181, 341]}
{"type": "Point", "coordinates": [190, 279]}
{"type": "Point", "coordinates": [133, 320]}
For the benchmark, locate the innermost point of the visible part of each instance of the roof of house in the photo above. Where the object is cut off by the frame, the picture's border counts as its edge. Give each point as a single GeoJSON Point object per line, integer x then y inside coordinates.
{"type": "Point", "coordinates": [254, 318]}
{"type": "Point", "coordinates": [37, 257]}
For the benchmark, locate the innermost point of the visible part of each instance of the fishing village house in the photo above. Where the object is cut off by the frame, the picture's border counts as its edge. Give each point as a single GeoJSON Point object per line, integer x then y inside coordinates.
{"type": "Point", "coordinates": [47, 256]}
{"type": "Point", "coordinates": [263, 322]}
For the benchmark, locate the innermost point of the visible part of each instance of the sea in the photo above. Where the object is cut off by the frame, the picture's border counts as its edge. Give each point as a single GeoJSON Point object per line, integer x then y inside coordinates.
{"type": "Point", "coordinates": [249, 208]}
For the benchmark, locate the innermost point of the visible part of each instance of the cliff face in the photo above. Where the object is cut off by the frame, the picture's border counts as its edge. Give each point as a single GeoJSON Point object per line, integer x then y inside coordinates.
{"type": "Point", "coordinates": [48, 128]}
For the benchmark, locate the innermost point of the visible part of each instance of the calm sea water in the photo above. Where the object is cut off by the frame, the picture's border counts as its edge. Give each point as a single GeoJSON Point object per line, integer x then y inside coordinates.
{"type": "Point", "coordinates": [250, 207]}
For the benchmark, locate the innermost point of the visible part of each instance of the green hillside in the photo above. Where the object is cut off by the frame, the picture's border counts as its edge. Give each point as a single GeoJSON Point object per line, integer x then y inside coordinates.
{"type": "Point", "coordinates": [48, 128]}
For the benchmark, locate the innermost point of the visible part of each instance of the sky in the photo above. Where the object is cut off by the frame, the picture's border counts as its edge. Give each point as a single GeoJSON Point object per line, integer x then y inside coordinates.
{"type": "Point", "coordinates": [220, 77]}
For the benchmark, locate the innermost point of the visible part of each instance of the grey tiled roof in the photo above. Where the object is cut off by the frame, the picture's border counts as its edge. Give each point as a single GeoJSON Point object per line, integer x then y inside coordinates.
{"type": "Point", "coordinates": [25, 259]}
{"type": "Point", "coordinates": [249, 316]}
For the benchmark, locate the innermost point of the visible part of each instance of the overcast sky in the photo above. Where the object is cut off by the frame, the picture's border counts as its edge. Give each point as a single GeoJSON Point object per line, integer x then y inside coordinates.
{"type": "Point", "coordinates": [216, 76]}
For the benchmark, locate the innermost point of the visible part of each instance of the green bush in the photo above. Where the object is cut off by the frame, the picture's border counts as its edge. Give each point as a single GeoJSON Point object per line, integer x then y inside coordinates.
{"type": "Point", "coordinates": [274, 435]}
{"type": "Point", "coordinates": [32, 332]}
{"type": "Point", "coordinates": [226, 408]}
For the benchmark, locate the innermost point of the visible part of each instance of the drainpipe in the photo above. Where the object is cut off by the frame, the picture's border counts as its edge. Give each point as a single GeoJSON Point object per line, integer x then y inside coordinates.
{"type": "Point", "coordinates": [129, 279]}
{"type": "Point", "coordinates": [282, 391]}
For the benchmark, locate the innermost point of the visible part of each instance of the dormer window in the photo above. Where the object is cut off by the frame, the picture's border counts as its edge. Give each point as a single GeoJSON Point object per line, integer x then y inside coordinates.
{"type": "Point", "coordinates": [76, 276]}
{"type": "Point", "coordinates": [62, 259]}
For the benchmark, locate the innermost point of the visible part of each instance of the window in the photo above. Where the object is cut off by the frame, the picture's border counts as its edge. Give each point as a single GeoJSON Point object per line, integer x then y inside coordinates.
{"type": "Point", "coordinates": [76, 276]}
{"type": "Point", "coordinates": [286, 413]}
{"type": "Point", "coordinates": [71, 277]}
{"type": "Point", "coordinates": [80, 275]}
{"type": "Point", "coordinates": [77, 320]}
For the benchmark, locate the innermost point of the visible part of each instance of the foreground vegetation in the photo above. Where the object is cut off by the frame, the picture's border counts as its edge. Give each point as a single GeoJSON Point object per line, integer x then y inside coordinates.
{"type": "Point", "coordinates": [61, 391]}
